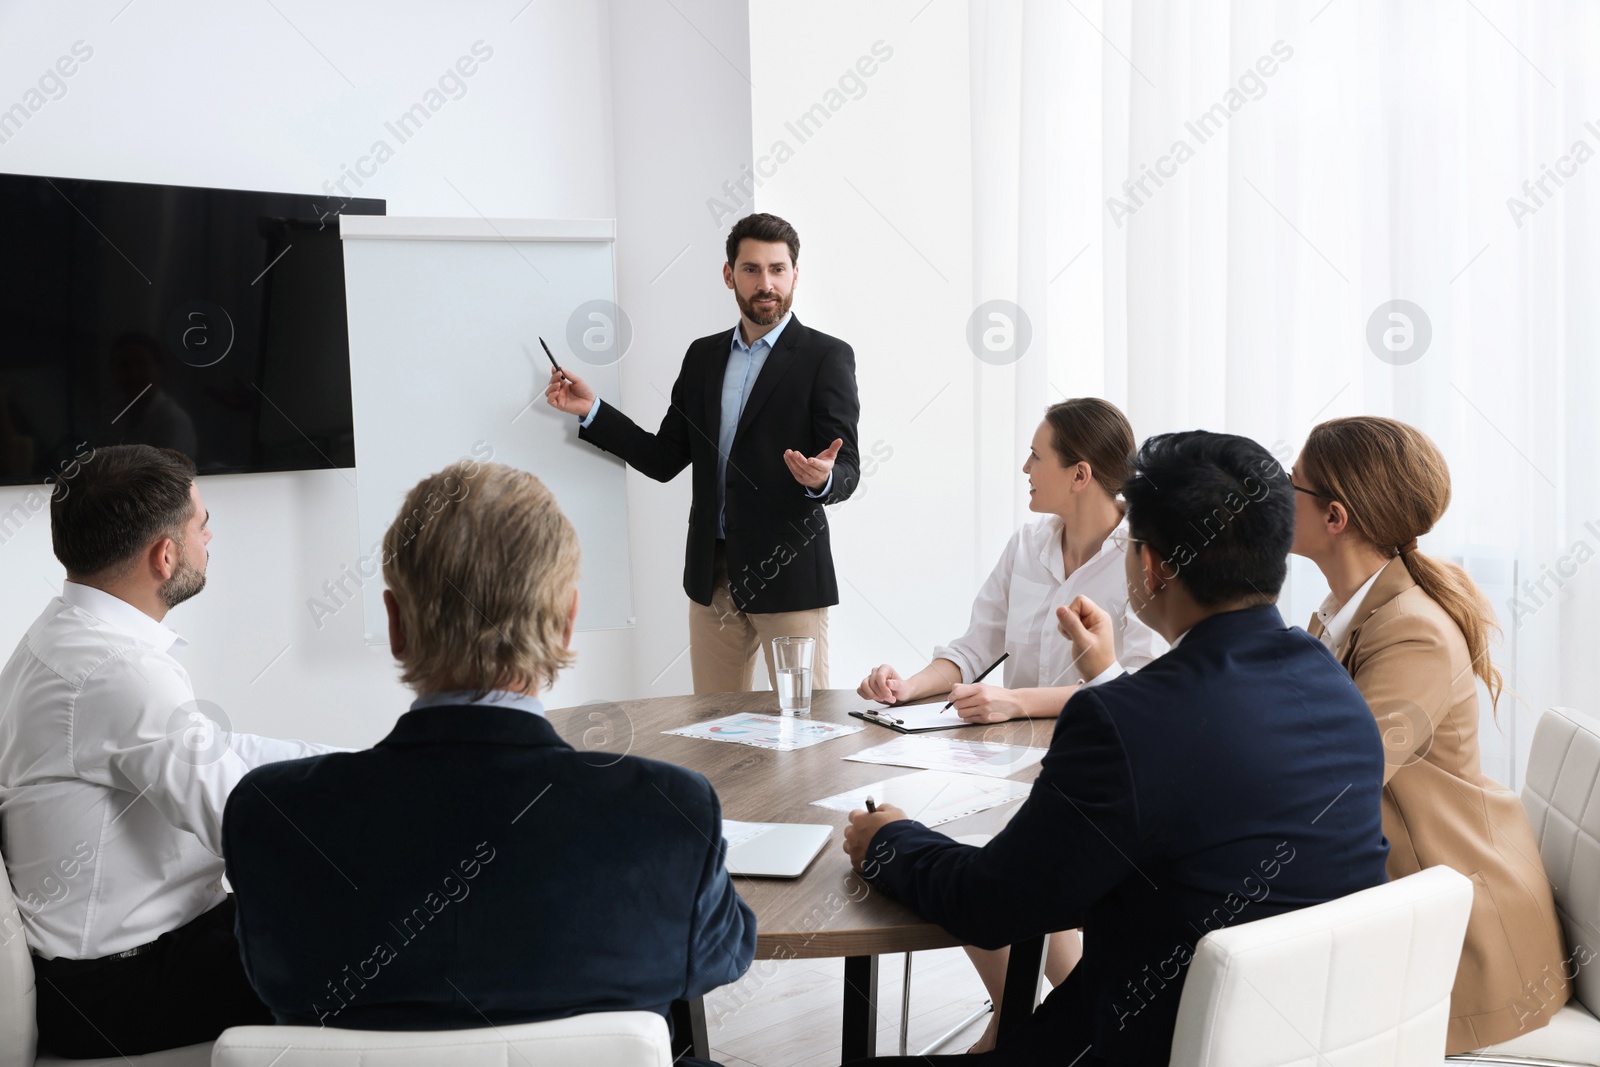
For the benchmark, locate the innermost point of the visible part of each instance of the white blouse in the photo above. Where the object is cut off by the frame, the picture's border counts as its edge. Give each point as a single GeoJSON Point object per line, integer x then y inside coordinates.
{"type": "Point", "coordinates": [1016, 612]}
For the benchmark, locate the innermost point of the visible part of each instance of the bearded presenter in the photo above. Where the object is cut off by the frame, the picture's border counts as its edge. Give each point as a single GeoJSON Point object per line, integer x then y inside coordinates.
{"type": "Point", "coordinates": [765, 414]}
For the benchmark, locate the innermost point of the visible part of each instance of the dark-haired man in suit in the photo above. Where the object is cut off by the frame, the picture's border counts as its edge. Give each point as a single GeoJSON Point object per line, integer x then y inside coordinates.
{"type": "Point", "coordinates": [1235, 777]}
{"type": "Point", "coordinates": [765, 413]}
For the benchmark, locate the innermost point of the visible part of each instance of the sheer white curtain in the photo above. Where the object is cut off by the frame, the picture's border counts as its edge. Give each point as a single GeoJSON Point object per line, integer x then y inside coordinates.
{"type": "Point", "coordinates": [1201, 208]}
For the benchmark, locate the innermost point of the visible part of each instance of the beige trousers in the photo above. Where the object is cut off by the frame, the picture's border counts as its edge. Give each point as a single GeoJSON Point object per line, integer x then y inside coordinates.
{"type": "Point", "coordinates": [723, 640]}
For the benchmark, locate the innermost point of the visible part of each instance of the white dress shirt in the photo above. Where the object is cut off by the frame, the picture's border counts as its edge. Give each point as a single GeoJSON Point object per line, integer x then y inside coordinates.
{"type": "Point", "coordinates": [1337, 618]}
{"type": "Point", "coordinates": [1016, 612]}
{"type": "Point", "coordinates": [493, 698]}
{"type": "Point", "coordinates": [112, 779]}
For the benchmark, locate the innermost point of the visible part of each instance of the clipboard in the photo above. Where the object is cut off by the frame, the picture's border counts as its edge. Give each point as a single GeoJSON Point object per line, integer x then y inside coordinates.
{"type": "Point", "coordinates": [914, 718]}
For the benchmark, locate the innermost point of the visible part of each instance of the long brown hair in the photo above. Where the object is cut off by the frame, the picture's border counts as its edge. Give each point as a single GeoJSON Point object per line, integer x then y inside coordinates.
{"type": "Point", "coordinates": [1093, 431]}
{"type": "Point", "coordinates": [1394, 483]}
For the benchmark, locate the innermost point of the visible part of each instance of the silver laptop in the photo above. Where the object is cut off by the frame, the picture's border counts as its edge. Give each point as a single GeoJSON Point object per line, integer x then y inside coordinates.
{"type": "Point", "coordinates": [773, 849]}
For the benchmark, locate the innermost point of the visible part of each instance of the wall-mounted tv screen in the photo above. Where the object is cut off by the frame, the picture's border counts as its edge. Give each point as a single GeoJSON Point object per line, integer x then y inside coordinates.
{"type": "Point", "coordinates": [211, 321]}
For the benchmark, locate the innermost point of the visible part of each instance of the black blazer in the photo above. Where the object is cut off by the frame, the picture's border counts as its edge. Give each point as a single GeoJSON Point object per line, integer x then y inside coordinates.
{"type": "Point", "coordinates": [1236, 777]}
{"type": "Point", "coordinates": [474, 870]}
{"type": "Point", "coordinates": [779, 556]}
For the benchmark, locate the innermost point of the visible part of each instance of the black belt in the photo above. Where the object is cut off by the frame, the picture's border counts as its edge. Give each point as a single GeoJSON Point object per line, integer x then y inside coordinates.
{"type": "Point", "coordinates": [62, 966]}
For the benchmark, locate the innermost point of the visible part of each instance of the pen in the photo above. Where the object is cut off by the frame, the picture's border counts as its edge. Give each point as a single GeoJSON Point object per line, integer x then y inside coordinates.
{"type": "Point", "coordinates": [978, 679]}
{"type": "Point", "coordinates": [871, 807]}
{"type": "Point", "coordinates": [552, 359]}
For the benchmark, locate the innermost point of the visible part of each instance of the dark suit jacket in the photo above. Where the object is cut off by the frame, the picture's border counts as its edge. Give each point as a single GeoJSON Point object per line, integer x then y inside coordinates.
{"type": "Point", "coordinates": [1236, 777]}
{"type": "Point", "coordinates": [779, 558]}
{"type": "Point", "coordinates": [473, 869]}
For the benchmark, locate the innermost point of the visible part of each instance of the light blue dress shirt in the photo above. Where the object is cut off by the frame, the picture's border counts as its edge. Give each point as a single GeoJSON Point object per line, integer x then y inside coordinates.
{"type": "Point", "coordinates": [744, 367]}
{"type": "Point", "coordinates": [494, 698]}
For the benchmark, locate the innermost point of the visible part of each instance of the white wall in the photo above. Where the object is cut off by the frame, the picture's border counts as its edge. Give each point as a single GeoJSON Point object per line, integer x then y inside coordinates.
{"type": "Point", "coordinates": [881, 195]}
{"type": "Point", "coordinates": [681, 119]}
{"type": "Point", "coordinates": [285, 98]}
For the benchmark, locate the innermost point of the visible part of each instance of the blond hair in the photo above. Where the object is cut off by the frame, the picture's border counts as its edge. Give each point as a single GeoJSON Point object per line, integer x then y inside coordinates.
{"type": "Point", "coordinates": [483, 565]}
{"type": "Point", "coordinates": [1394, 483]}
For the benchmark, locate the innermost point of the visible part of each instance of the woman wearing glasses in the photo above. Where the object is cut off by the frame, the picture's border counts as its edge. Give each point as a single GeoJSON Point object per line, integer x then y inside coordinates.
{"type": "Point", "coordinates": [1413, 632]}
{"type": "Point", "coordinates": [1079, 457]}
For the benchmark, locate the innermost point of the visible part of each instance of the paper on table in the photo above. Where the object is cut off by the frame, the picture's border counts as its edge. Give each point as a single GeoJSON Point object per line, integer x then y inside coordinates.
{"type": "Point", "coordinates": [932, 797]}
{"type": "Point", "coordinates": [952, 754]}
{"type": "Point", "coordinates": [784, 733]}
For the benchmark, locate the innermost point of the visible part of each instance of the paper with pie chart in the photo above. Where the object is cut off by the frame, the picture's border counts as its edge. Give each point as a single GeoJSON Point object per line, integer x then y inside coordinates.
{"type": "Point", "coordinates": [782, 733]}
{"type": "Point", "coordinates": [952, 754]}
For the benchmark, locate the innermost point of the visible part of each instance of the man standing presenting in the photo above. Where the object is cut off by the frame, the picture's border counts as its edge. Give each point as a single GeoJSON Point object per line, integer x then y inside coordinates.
{"type": "Point", "coordinates": [766, 415]}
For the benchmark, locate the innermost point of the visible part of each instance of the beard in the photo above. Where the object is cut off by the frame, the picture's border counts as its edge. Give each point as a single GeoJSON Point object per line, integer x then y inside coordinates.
{"type": "Point", "coordinates": [765, 318]}
{"type": "Point", "coordinates": [185, 582]}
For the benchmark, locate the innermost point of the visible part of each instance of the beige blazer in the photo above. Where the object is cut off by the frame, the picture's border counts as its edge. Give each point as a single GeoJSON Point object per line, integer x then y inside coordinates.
{"type": "Point", "coordinates": [1410, 661]}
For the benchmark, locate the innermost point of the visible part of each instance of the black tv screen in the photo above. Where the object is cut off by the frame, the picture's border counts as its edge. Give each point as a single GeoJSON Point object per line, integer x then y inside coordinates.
{"type": "Point", "coordinates": [207, 320]}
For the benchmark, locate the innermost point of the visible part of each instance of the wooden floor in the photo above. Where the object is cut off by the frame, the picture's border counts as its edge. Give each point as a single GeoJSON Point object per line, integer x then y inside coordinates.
{"type": "Point", "coordinates": [787, 1014]}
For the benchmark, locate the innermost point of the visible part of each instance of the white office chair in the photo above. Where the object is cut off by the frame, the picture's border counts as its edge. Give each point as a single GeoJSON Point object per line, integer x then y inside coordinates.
{"type": "Point", "coordinates": [1362, 981]}
{"type": "Point", "coordinates": [19, 1032]}
{"type": "Point", "coordinates": [1560, 797]}
{"type": "Point", "coordinates": [603, 1039]}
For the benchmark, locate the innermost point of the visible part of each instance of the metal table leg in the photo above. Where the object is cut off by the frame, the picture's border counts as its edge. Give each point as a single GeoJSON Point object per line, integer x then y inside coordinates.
{"type": "Point", "coordinates": [689, 1029]}
{"type": "Point", "coordinates": [905, 1004]}
{"type": "Point", "coordinates": [1021, 993]}
{"type": "Point", "coordinates": [860, 1039]}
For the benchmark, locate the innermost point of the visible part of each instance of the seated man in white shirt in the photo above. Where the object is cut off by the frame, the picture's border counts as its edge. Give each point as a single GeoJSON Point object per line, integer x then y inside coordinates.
{"type": "Point", "coordinates": [113, 780]}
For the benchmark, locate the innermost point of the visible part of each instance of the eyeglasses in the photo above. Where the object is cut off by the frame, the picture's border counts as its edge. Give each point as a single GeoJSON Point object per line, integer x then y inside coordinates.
{"type": "Point", "coordinates": [1120, 540]}
{"type": "Point", "coordinates": [1310, 492]}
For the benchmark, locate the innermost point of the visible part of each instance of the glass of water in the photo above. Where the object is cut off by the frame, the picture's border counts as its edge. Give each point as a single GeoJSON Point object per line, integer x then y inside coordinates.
{"type": "Point", "coordinates": [792, 658]}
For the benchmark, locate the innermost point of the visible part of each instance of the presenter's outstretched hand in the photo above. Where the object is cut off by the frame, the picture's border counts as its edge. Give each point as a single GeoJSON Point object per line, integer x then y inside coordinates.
{"type": "Point", "coordinates": [811, 472]}
{"type": "Point", "coordinates": [570, 394]}
{"type": "Point", "coordinates": [985, 703]}
{"type": "Point", "coordinates": [1088, 626]}
{"type": "Point", "coordinates": [858, 837]}
{"type": "Point", "coordinates": [884, 685]}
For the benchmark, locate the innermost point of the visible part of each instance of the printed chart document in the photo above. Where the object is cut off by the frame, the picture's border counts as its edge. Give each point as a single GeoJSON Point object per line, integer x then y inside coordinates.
{"type": "Point", "coordinates": [783, 733]}
{"type": "Point", "coordinates": [932, 797]}
{"type": "Point", "coordinates": [953, 754]}
{"type": "Point", "coordinates": [914, 718]}
{"type": "Point", "coordinates": [773, 849]}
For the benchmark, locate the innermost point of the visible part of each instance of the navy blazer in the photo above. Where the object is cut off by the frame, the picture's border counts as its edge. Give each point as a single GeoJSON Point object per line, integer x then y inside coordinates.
{"type": "Point", "coordinates": [779, 554]}
{"type": "Point", "coordinates": [1236, 777]}
{"type": "Point", "coordinates": [473, 869]}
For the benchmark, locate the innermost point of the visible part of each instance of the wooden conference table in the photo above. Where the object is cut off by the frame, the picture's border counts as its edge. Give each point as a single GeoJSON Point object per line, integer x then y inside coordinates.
{"type": "Point", "coordinates": [829, 911]}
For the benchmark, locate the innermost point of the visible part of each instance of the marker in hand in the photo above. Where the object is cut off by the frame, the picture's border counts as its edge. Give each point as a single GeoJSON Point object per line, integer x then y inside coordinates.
{"type": "Point", "coordinates": [552, 359]}
{"type": "Point", "coordinates": [871, 807]}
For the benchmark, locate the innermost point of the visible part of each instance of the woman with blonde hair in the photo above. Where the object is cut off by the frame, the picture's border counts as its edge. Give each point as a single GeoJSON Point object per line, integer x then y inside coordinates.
{"type": "Point", "coordinates": [1413, 632]}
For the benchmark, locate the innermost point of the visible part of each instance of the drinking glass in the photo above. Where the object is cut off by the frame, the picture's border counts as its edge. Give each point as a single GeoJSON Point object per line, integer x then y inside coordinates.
{"type": "Point", "coordinates": [792, 658]}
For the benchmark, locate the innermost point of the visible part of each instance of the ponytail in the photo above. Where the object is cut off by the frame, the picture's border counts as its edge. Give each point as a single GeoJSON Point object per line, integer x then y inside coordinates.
{"type": "Point", "coordinates": [1455, 591]}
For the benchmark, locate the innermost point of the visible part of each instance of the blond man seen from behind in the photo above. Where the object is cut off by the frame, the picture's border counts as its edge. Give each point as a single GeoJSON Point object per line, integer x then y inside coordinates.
{"type": "Point", "coordinates": [472, 869]}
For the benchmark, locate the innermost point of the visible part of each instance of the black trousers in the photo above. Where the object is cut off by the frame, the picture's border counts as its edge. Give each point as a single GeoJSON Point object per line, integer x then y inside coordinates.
{"type": "Point", "coordinates": [188, 988]}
